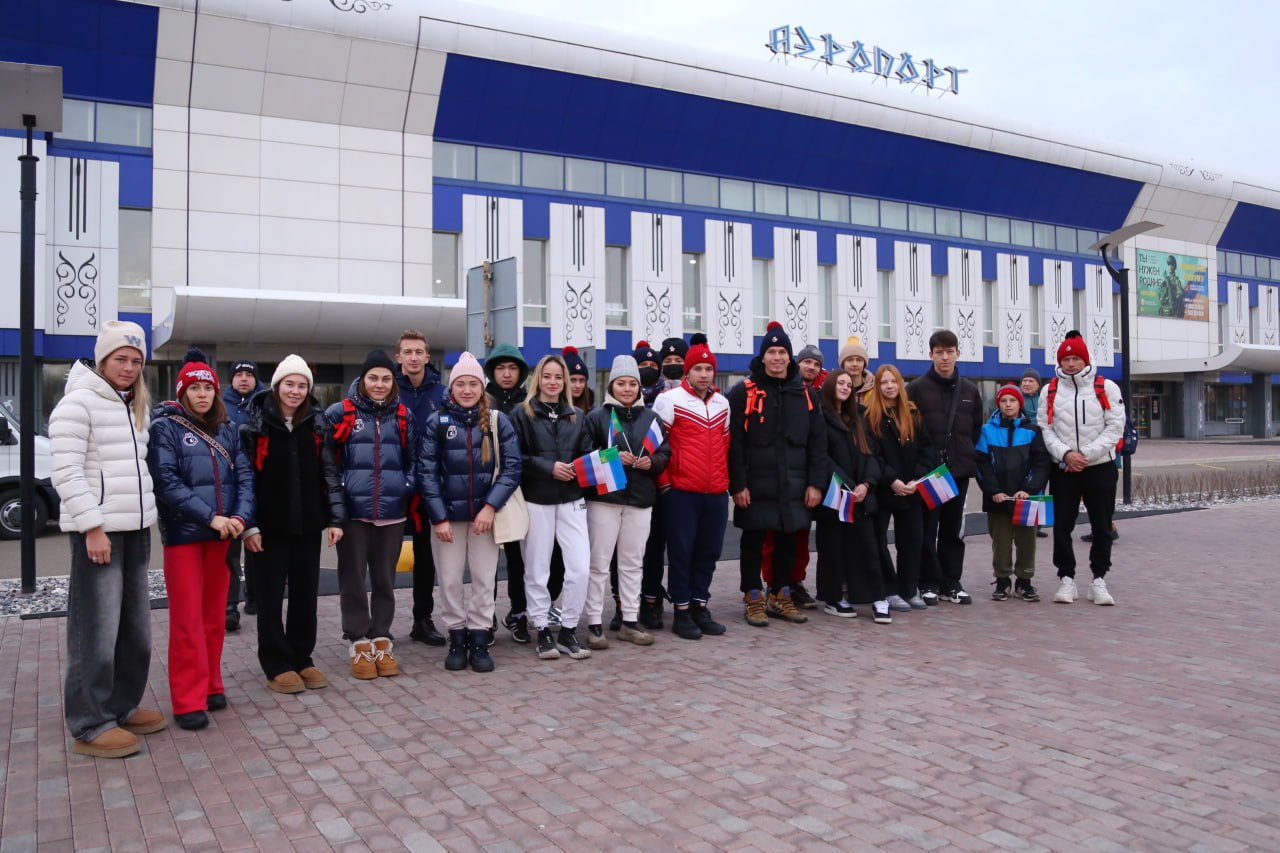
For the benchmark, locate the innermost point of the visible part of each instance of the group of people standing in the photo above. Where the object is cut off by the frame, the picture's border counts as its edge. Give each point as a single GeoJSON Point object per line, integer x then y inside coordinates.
{"type": "Point", "coordinates": [266, 468]}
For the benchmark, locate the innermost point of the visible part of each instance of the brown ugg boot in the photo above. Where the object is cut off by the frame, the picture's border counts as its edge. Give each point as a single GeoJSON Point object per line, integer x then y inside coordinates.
{"type": "Point", "coordinates": [113, 743]}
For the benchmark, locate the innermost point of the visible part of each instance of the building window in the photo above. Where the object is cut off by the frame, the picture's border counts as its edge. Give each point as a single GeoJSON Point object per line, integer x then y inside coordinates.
{"type": "Point", "coordinates": [886, 304]}
{"type": "Point", "coordinates": [701, 190]}
{"type": "Point", "coordinates": [535, 281]}
{"type": "Point", "coordinates": [920, 218]}
{"type": "Point", "coordinates": [761, 294]}
{"type": "Point", "coordinates": [771, 199]}
{"type": "Point", "coordinates": [893, 214]}
{"type": "Point", "coordinates": [584, 176]}
{"type": "Point", "coordinates": [1115, 323]}
{"type": "Point", "coordinates": [1042, 235]}
{"type": "Point", "coordinates": [661, 185]}
{"type": "Point", "coordinates": [691, 271]}
{"type": "Point", "coordinates": [827, 300]}
{"type": "Point", "coordinates": [1233, 263]}
{"type": "Point", "coordinates": [940, 301]}
{"type": "Point", "coordinates": [948, 223]}
{"type": "Point", "coordinates": [736, 195]}
{"type": "Point", "coordinates": [135, 259]}
{"type": "Point", "coordinates": [834, 207]}
{"type": "Point", "coordinates": [77, 120]}
{"type": "Point", "coordinates": [1066, 238]}
{"type": "Point", "coordinates": [497, 166]}
{"type": "Point", "coordinates": [453, 161]}
{"type": "Point", "coordinates": [615, 286]}
{"type": "Point", "coordinates": [802, 203]}
{"type": "Point", "coordinates": [1264, 268]}
{"type": "Point", "coordinates": [1077, 309]}
{"type": "Point", "coordinates": [864, 211]}
{"type": "Point", "coordinates": [1021, 233]}
{"type": "Point", "coordinates": [973, 226]}
{"type": "Point", "coordinates": [624, 181]}
{"type": "Point", "coordinates": [444, 264]}
{"type": "Point", "coordinates": [1085, 239]}
{"type": "Point", "coordinates": [997, 229]}
{"type": "Point", "coordinates": [1037, 300]}
{"type": "Point", "coordinates": [122, 125]}
{"type": "Point", "coordinates": [1248, 265]}
{"type": "Point", "coordinates": [988, 312]}
{"type": "Point", "coordinates": [543, 171]}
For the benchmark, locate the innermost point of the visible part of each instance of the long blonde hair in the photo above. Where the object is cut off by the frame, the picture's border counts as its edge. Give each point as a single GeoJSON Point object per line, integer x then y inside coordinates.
{"type": "Point", "coordinates": [141, 401]}
{"type": "Point", "coordinates": [534, 383]}
{"type": "Point", "coordinates": [902, 413]}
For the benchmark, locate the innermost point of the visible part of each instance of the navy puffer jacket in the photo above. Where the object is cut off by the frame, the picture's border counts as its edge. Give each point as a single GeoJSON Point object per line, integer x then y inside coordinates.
{"type": "Point", "coordinates": [378, 464]}
{"type": "Point", "coordinates": [193, 482]}
{"type": "Point", "coordinates": [454, 480]}
{"type": "Point", "coordinates": [238, 404]}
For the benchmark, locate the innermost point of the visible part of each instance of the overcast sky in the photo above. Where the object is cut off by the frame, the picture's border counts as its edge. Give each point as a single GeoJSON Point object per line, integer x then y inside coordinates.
{"type": "Point", "coordinates": [1186, 80]}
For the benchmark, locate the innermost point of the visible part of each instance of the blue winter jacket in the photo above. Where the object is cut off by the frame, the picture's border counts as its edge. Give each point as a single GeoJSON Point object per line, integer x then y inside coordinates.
{"type": "Point", "coordinates": [378, 465]}
{"type": "Point", "coordinates": [238, 404]}
{"type": "Point", "coordinates": [1011, 457]}
{"type": "Point", "coordinates": [193, 481]}
{"type": "Point", "coordinates": [426, 398]}
{"type": "Point", "coordinates": [453, 479]}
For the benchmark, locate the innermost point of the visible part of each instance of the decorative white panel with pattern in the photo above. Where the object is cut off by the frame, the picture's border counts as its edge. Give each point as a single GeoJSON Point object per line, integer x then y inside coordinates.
{"type": "Point", "coordinates": [1237, 309]}
{"type": "Point", "coordinates": [11, 231]}
{"type": "Point", "coordinates": [1057, 307]}
{"type": "Point", "coordinates": [1013, 302]}
{"type": "Point", "coordinates": [728, 287]}
{"type": "Point", "coordinates": [492, 229]}
{"type": "Point", "coordinates": [857, 300]}
{"type": "Point", "coordinates": [1268, 330]}
{"type": "Point", "coordinates": [575, 276]}
{"type": "Point", "coordinates": [83, 245]}
{"type": "Point", "coordinates": [795, 284]}
{"type": "Point", "coordinates": [1099, 316]}
{"type": "Point", "coordinates": [657, 285]}
{"type": "Point", "coordinates": [964, 301]}
{"type": "Point", "coordinates": [913, 286]}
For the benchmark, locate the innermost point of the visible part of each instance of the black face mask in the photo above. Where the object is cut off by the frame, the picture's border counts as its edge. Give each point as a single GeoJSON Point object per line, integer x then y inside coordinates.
{"type": "Point", "coordinates": [649, 375]}
{"type": "Point", "coordinates": [673, 371]}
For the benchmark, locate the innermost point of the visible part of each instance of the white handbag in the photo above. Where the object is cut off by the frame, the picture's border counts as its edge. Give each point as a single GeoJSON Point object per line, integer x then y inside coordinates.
{"type": "Point", "coordinates": [511, 524]}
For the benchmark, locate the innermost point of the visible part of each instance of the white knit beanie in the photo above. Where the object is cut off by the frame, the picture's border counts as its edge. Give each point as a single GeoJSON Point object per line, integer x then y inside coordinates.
{"type": "Point", "coordinates": [116, 334]}
{"type": "Point", "coordinates": [290, 365]}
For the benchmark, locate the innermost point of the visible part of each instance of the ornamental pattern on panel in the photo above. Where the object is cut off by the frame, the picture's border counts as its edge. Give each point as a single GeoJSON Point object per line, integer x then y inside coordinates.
{"type": "Point", "coordinates": [859, 319]}
{"type": "Point", "coordinates": [357, 6]}
{"type": "Point", "coordinates": [1015, 335]}
{"type": "Point", "coordinates": [76, 283]}
{"type": "Point", "coordinates": [730, 322]}
{"type": "Point", "coordinates": [966, 329]}
{"type": "Point", "coordinates": [657, 311]}
{"type": "Point", "coordinates": [578, 308]}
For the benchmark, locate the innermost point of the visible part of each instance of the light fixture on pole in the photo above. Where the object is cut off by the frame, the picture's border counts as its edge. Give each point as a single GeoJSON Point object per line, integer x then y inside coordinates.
{"type": "Point", "coordinates": [30, 100]}
{"type": "Point", "coordinates": [1121, 277]}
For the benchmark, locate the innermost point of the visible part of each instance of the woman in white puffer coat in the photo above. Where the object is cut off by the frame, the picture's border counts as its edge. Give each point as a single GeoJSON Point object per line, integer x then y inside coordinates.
{"type": "Point", "coordinates": [98, 442]}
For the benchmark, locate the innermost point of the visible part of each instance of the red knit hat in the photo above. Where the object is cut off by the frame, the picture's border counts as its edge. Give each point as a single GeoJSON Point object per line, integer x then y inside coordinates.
{"type": "Point", "coordinates": [699, 353]}
{"type": "Point", "coordinates": [1073, 344]}
{"type": "Point", "coordinates": [196, 369]}
{"type": "Point", "coordinates": [1011, 391]}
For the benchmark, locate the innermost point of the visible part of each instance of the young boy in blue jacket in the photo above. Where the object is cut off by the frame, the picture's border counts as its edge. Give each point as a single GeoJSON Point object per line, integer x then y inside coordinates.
{"type": "Point", "coordinates": [1013, 464]}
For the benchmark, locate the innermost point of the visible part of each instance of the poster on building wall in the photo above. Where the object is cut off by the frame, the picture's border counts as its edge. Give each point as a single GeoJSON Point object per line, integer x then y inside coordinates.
{"type": "Point", "coordinates": [1173, 286]}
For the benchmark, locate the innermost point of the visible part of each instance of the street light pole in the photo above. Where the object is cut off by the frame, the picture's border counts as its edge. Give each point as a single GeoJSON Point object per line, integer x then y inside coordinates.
{"type": "Point", "coordinates": [27, 364]}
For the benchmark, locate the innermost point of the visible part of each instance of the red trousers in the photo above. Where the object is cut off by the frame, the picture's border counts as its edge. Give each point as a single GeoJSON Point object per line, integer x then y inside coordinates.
{"type": "Point", "coordinates": [798, 572]}
{"type": "Point", "coordinates": [196, 578]}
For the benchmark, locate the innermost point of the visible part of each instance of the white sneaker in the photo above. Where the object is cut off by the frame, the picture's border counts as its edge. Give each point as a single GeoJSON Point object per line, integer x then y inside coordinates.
{"type": "Point", "coordinates": [898, 603]}
{"type": "Point", "coordinates": [1066, 591]}
{"type": "Point", "coordinates": [1098, 593]}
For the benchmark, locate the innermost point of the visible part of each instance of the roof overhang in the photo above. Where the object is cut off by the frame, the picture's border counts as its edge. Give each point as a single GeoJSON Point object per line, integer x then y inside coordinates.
{"type": "Point", "coordinates": [1237, 358]}
{"type": "Point", "coordinates": [297, 318]}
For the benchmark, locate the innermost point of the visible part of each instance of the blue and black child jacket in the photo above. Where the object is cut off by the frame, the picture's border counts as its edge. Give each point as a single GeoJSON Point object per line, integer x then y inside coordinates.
{"type": "Point", "coordinates": [1011, 458]}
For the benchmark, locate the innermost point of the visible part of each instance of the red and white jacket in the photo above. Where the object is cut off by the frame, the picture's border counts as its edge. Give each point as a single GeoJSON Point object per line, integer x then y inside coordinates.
{"type": "Point", "coordinates": [697, 431]}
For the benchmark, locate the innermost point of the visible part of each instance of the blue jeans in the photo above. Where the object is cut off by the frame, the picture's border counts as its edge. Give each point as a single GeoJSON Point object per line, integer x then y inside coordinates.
{"type": "Point", "coordinates": [695, 525]}
{"type": "Point", "coordinates": [108, 634]}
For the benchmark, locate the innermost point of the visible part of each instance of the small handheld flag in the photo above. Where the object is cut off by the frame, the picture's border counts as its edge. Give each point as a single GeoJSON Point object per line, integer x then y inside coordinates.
{"type": "Point", "coordinates": [602, 469]}
{"type": "Point", "coordinates": [1036, 510]}
{"type": "Point", "coordinates": [617, 438]}
{"type": "Point", "coordinates": [840, 498]}
{"type": "Point", "coordinates": [937, 487]}
{"type": "Point", "coordinates": [653, 438]}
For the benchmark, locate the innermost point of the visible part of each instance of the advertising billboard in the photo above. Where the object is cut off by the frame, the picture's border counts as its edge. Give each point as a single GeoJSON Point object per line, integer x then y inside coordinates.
{"type": "Point", "coordinates": [1173, 286]}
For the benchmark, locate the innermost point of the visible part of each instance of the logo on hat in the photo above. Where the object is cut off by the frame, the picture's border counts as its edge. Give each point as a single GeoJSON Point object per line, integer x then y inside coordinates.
{"type": "Point", "coordinates": [134, 341]}
{"type": "Point", "coordinates": [201, 376]}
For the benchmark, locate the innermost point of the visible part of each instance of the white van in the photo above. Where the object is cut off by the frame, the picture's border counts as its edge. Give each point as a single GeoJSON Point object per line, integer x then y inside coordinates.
{"type": "Point", "coordinates": [10, 480]}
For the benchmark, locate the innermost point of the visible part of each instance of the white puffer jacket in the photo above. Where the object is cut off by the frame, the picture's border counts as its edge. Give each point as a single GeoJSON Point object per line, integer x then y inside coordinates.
{"type": "Point", "coordinates": [99, 458]}
{"type": "Point", "coordinates": [1079, 421]}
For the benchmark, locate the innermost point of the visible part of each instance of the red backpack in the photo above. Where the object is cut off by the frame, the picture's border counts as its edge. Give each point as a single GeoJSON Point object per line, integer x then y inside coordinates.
{"type": "Point", "coordinates": [342, 429]}
{"type": "Point", "coordinates": [1128, 442]}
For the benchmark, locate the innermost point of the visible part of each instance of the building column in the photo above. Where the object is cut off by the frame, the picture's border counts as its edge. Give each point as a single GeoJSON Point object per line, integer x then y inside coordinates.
{"type": "Point", "coordinates": [1193, 406]}
{"type": "Point", "coordinates": [1260, 406]}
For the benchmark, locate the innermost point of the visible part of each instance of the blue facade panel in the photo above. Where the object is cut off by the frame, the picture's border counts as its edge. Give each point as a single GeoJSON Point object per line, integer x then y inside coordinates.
{"type": "Point", "coordinates": [1252, 229]}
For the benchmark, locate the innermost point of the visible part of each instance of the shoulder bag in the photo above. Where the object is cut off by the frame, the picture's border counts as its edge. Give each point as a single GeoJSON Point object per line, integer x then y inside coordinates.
{"type": "Point", "coordinates": [511, 524]}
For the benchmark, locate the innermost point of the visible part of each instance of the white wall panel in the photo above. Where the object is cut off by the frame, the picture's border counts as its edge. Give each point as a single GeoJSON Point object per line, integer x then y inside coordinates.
{"type": "Point", "coordinates": [222, 155]}
{"type": "Point", "coordinates": [1237, 313]}
{"type": "Point", "coordinates": [299, 199]}
{"type": "Point", "coordinates": [795, 284]}
{"type": "Point", "coordinates": [912, 277]}
{"type": "Point", "coordinates": [727, 287]}
{"type": "Point", "coordinates": [493, 229]}
{"type": "Point", "coordinates": [292, 162]}
{"type": "Point", "coordinates": [366, 169]}
{"type": "Point", "coordinates": [370, 206]}
{"type": "Point", "coordinates": [318, 133]}
{"type": "Point", "coordinates": [1099, 321]}
{"type": "Point", "coordinates": [1013, 303]}
{"type": "Point", "coordinates": [222, 193]}
{"type": "Point", "coordinates": [82, 245]}
{"type": "Point", "coordinates": [284, 236]}
{"type": "Point", "coordinates": [370, 277]}
{"type": "Point", "coordinates": [575, 276]}
{"type": "Point", "coordinates": [1058, 307]}
{"type": "Point", "coordinates": [224, 232]}
{"type": "Point", "coordinates": [857, 301]}
{"type": "Point", "coordinates": [370, 242]}
{"type": "Point", "coordinates": [222, 269]}
{"type": "Point", "coordinates": [301, 98]}
{"type": "Point", "coordinates": [1268, 326]}
{"type": "Point", "coordinates": [657, 284]}
{"type": "Point", "coordinates": [964, 301]}
{"type": "Point", "coordinates": [298, 273]}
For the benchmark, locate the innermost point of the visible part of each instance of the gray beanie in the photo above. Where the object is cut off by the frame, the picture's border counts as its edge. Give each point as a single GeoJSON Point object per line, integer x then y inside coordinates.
{"type": "Point", "coordinates": [812, 352]}
{"type": "Point", "coordinates": [1034, 374]}
{"type": "Point", "coordinates": [623, 365]}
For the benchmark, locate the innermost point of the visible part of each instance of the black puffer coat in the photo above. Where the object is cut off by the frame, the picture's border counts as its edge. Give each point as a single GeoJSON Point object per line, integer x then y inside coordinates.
{"type": "Point", "coordinates": [548, 436]}
{"type": "Point", "coordinates": [932, 394]}
{"type": "Point", "coordinates": [905, 461]}
{"type": "Point", "coordinates": [297, 485]}
{"type": "Point", "coordinates": [378, 462]}
{"type": "Point", "coordinates": [776, 451]}
{"type": "Point", "coordinates": [642, 486]}
{"type": "Point", "coordinates": [453, 478]}
{"type": "Point", "coordinates": [850, 463]}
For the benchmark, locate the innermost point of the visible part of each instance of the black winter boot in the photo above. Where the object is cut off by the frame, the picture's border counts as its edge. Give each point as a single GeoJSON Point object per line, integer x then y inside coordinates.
{"type": "Point", "coordinates": [702, 618]}
{"type": "Point", "coordinates": [683, 626]}
{"type": "Point", "coordinates": [615, 624]}
{"type": "Point", "coordinates": [481, 661]}
{"type": "Point", "coordinates": [459, 644]}
{"type": "Point", "coordinates": [651, 613]}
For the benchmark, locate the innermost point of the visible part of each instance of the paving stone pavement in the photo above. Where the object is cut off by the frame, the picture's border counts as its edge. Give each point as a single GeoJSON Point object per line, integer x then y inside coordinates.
{"type": "Point", "coordinates": [1152, 725]}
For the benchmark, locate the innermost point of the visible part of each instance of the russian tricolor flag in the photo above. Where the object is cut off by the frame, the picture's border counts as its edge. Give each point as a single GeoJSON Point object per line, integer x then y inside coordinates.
{"type": "Point", "coordinates": [601, 469]}
{"type": "Point", "coordinates": [1035, 511]}
{"type": "Point", "coordinates": [653, 438]}
{"type": "Point", "coordinates": [937, 487]}
{"type": "Point", "coordinates": [840, 498]}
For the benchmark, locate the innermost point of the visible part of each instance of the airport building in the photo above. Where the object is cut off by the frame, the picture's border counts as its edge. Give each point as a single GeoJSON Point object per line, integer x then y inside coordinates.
{"type": "Point", "coordinates": [314, 176]}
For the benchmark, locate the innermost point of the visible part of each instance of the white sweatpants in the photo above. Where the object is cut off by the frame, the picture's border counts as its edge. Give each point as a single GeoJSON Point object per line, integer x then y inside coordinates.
{"type": "Point", "coordinates": [480, 553]}
{"type": "Point", "coordinates": [565, 523]}
{"type": "Point", "coordinates": [627, 529]}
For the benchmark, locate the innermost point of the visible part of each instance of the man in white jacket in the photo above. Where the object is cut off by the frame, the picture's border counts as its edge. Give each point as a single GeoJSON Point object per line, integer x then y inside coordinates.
{"type": "Point", "coordinates": [1082, 418]}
